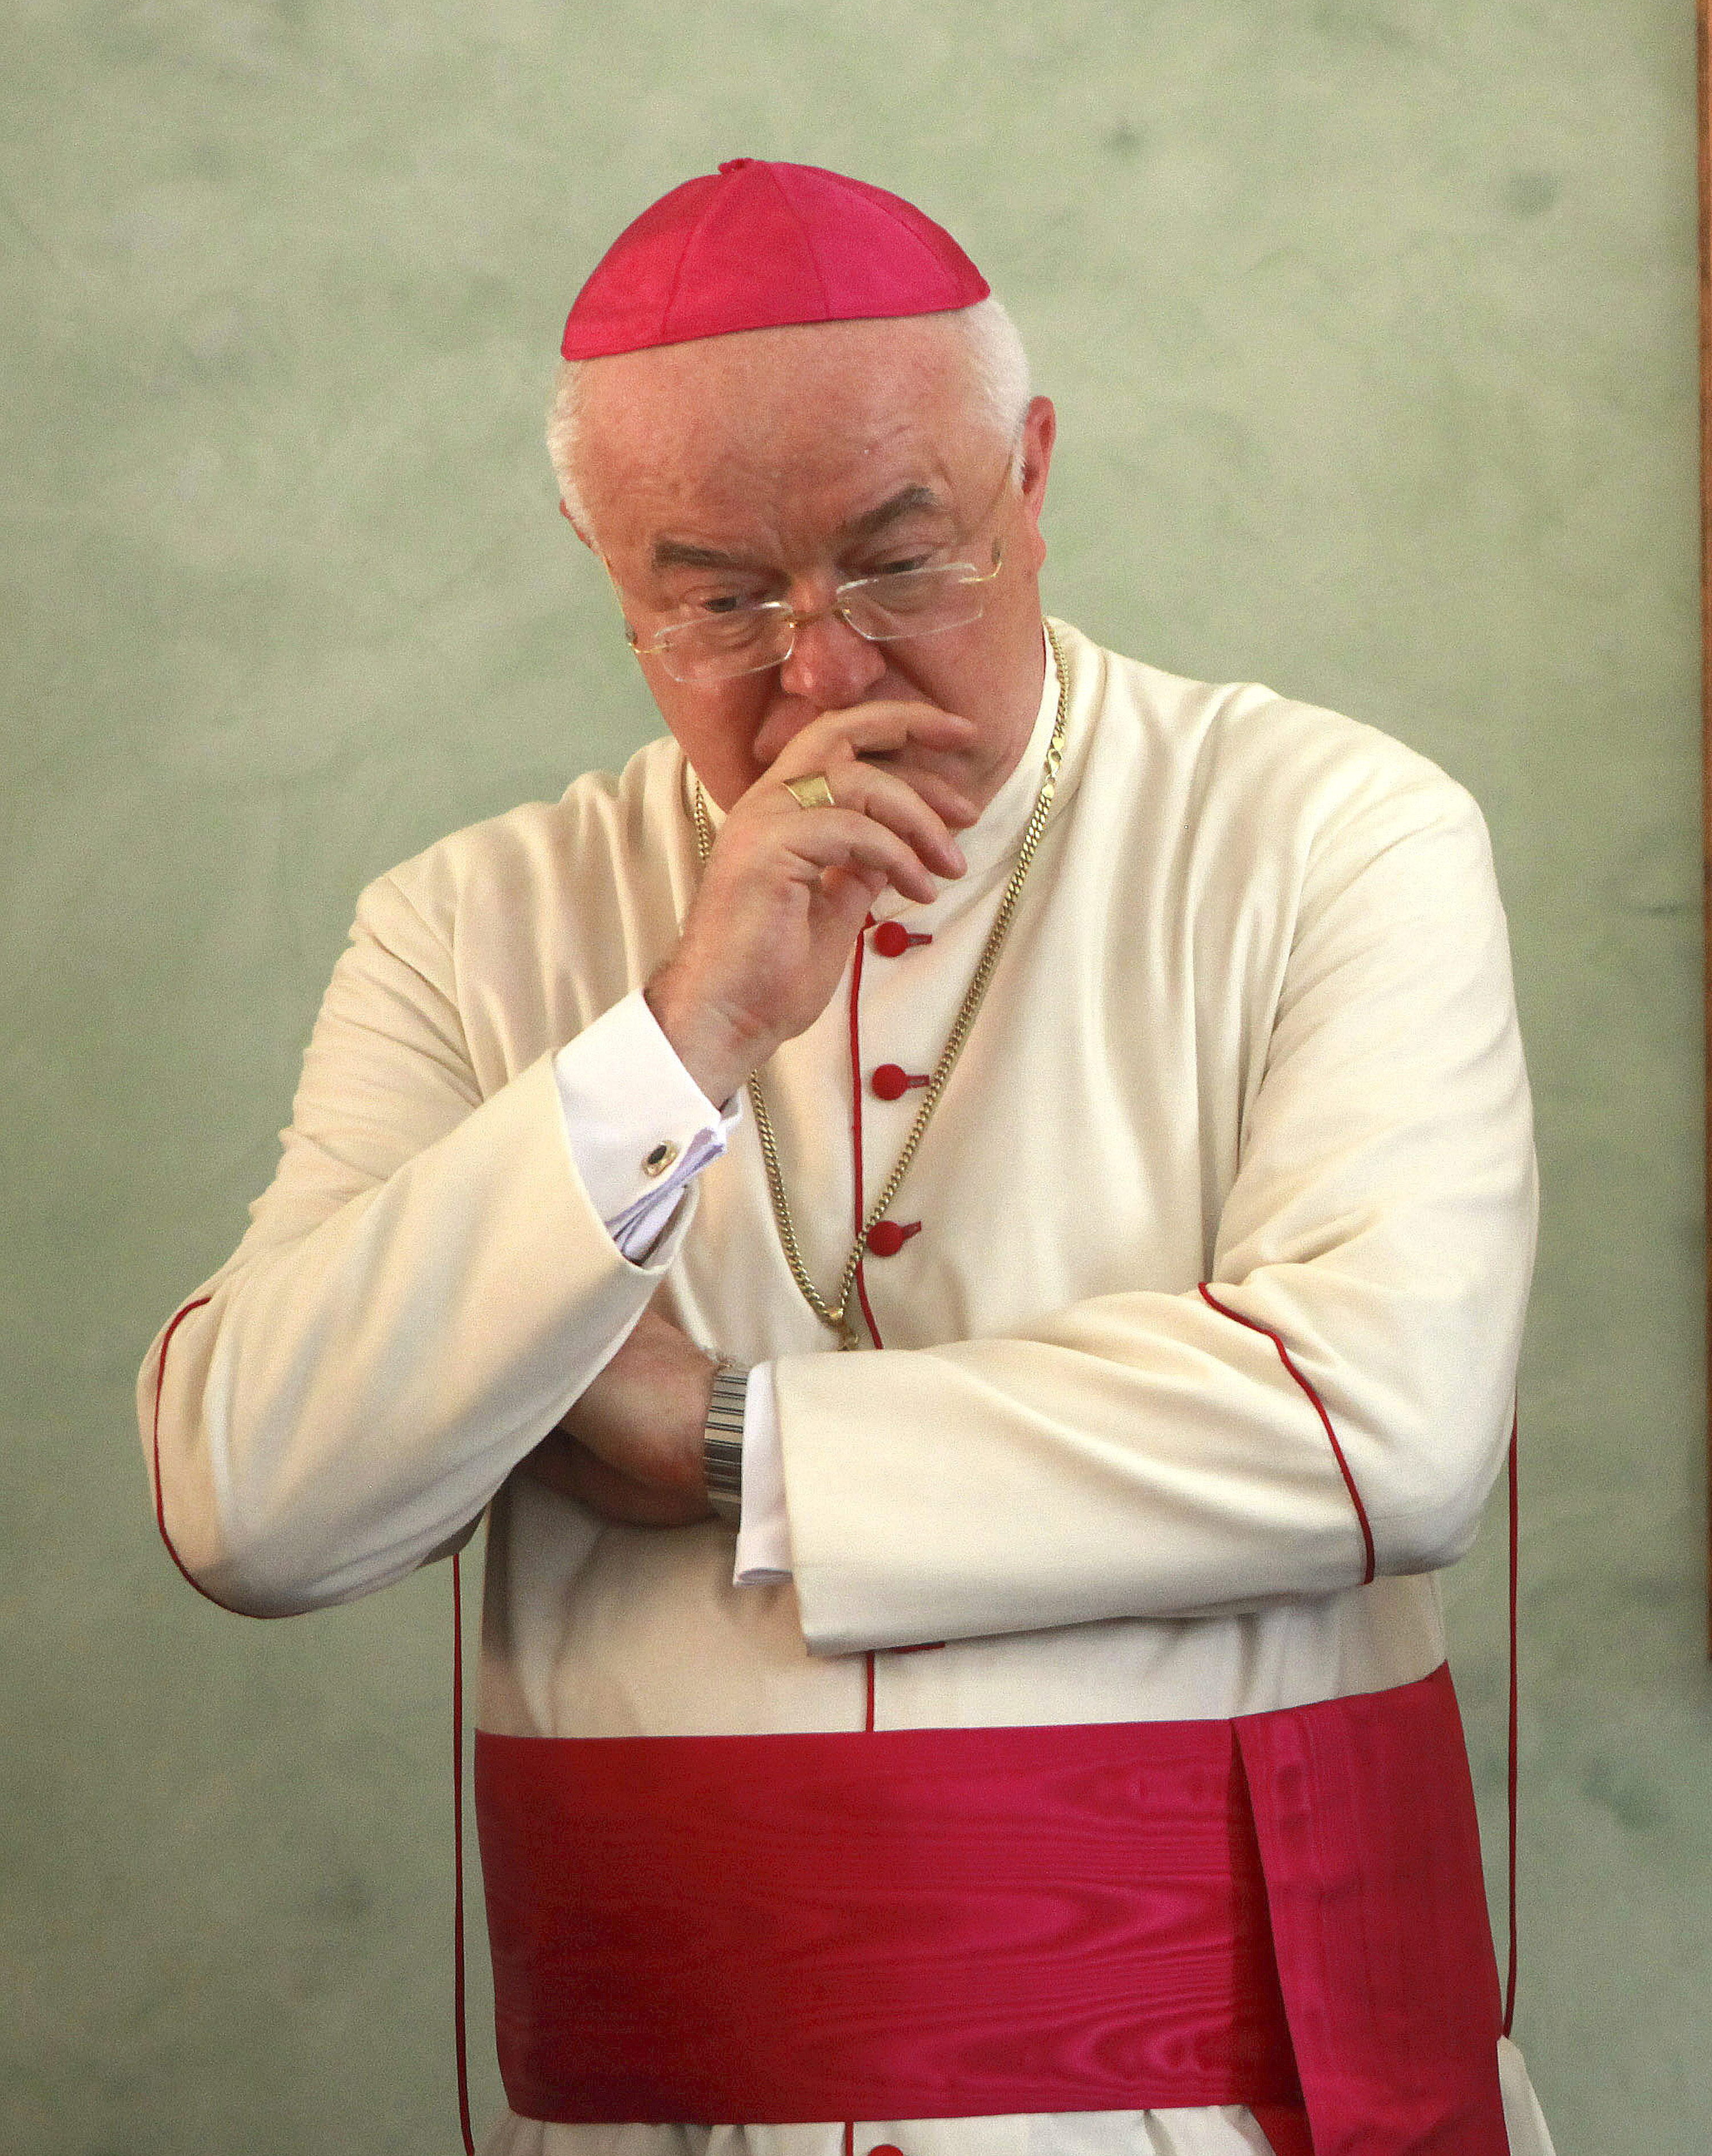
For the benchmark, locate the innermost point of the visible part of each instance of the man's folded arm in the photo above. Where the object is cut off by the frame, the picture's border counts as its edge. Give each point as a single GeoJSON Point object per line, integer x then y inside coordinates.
{"type": "Point", "coordinates": [1152, 1454]}
{"type": "Point", "coordinates": [427, 1286]}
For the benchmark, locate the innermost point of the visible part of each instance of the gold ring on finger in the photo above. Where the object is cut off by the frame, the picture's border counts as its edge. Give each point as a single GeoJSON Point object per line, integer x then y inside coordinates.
{"type": "Point", "coordinates": [812, 792]}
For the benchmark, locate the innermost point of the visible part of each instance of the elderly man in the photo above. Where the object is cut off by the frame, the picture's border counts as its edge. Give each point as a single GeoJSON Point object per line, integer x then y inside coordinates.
{"type": "Point", "coordinates": [1126, 1070]}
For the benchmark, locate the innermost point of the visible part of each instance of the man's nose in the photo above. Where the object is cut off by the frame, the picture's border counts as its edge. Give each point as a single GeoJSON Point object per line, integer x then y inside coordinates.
{"type": "Point", "coordinates": [830, 665]}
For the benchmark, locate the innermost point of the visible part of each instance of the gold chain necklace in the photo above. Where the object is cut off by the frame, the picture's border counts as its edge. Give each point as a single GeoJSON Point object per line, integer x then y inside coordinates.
{"type": "Point", "coordinates": [833, 1314]}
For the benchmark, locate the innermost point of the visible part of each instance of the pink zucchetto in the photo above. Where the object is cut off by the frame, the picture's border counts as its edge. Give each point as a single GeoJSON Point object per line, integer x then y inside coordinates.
{"type": "Point", "coordinates": [755, 245]}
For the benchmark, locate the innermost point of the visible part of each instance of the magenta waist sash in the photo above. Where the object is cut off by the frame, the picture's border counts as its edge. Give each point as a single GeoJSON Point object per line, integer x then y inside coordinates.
{"type": "Point", "coordinates": [1281, 1910]}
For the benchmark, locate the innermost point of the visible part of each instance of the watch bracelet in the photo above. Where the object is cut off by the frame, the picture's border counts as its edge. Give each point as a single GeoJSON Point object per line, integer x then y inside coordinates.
{"type": "Point", "coordinates": [722, 1442]}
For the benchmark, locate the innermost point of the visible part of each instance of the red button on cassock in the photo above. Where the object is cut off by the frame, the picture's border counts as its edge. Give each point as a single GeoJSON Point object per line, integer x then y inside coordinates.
{"type": "Point", "coordinates": [891, 1081]}
{"type": "Point", "coordinates": [885, 2148]}
{"type": "Point", "coordinates": [886, 1238]}
{"type": "Point", "coordinates": [891, 939]}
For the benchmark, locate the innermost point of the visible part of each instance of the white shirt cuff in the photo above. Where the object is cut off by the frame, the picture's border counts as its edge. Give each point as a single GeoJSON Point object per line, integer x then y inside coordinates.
{"type": "Point", "coordinates": [764, 1556]}
{"type": "Point", "coordinates": [628, 1102]}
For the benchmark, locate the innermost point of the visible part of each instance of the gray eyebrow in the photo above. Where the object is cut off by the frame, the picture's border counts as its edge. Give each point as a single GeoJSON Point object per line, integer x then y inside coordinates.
{"type": "Point", "coordinates": [686, 554]}
{"type": "Point", "coordinates": [903, 503]}
{"type": "Point", "coordinates": [682, 554]}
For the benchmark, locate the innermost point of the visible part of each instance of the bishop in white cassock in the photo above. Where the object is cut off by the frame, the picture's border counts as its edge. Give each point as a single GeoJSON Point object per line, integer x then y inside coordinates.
{"type": "Point", "coordinates": [1184, 1348]}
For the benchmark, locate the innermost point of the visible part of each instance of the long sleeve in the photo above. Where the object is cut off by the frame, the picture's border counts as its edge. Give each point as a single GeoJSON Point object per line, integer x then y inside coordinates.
{"type": "Point", "coordinates": [640, 1129]}
{"type": "Point", "coordinates": [1156, 1455]}
{"type": "Point", "coordinates": [424, 1288]}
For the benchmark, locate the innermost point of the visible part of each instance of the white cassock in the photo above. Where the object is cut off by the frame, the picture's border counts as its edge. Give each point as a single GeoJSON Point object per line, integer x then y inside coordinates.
{"type": "Point", "coordinates": [1253, 1026]}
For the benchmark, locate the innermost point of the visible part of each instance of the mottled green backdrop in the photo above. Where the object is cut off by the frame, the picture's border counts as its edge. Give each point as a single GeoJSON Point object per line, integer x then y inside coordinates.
{"type": "Point", "coordinates": [1371, 324]}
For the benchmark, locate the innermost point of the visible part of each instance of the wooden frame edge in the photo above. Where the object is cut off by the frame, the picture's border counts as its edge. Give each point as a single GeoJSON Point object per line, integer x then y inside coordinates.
{"type": "Point", "coordinates": [1704, 124]}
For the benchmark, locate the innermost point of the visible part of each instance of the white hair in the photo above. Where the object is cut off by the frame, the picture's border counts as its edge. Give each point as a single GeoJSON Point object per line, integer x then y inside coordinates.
{"type": "Point", "coordinates": [996, 358]}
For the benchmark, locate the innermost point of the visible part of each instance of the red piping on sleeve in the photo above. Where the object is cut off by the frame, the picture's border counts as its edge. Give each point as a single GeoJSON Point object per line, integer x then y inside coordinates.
{"type": "Point", "coordinates": [1284, 1355]}
{"type": "Point", "coordinates": [160, 1489]}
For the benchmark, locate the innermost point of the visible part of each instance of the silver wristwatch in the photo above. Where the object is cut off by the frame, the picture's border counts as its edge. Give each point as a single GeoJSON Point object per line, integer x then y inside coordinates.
{"type": "Point", "coordinates": [722, 1443]}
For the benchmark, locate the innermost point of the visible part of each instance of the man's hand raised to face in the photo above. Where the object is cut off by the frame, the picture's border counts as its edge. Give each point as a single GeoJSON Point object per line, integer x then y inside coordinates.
{"type": "Point", "coordinates": [786, 889]}
{"type": "Point", "coordinates": [783, 898]}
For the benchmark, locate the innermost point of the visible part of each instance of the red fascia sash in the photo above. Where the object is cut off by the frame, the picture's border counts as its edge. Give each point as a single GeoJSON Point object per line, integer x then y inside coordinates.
{"type": "Point", "coordinates": [1283, 1911]}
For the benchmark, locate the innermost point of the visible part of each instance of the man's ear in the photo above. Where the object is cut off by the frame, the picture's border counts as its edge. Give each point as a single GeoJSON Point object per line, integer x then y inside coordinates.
{"type": "Point", "coordinates": [1039, 432]}
{"type": "Point", "coordinates": [565, 511]}
{"type": "Point", "coordinates": [1040, 427]}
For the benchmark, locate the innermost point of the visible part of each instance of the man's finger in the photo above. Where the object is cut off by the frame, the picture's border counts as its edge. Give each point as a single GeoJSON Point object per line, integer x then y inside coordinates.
{"type": "Point", "coordinates": [880, 729]}
{"type": "Point", "coordinates": [843, 838]}
{"type": "Point", "coordinates": [898, 805]}
{"type": "Point", "coordinates": [953, 806]}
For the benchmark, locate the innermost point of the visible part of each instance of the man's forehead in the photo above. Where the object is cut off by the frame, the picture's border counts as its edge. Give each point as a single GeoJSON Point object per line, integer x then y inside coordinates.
{"type": "Point", "coordinates": [840, 365]}
{"type": "Point", "coordinates": [671, 551]}
{"type": "Point", "coordinates": [852, 432]}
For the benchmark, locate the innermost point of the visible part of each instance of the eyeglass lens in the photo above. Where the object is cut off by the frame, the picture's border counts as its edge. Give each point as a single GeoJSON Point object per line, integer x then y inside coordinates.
{"type": "Point", "coordinates": [911, 603]}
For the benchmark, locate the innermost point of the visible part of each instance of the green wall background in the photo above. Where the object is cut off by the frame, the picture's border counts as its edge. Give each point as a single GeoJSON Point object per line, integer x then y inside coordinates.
{"type": "Point", "coordinates": [1372, 327]}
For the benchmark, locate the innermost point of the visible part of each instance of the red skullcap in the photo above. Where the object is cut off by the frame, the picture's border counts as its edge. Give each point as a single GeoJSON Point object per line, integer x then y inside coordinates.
{"type": "Point", "coordinates": [755, 245]}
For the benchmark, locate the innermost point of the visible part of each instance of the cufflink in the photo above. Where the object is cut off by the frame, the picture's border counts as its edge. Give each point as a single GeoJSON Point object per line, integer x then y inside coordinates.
{"type": "Point", "coordinates": [660, 1159]}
